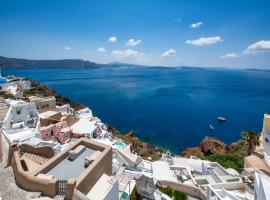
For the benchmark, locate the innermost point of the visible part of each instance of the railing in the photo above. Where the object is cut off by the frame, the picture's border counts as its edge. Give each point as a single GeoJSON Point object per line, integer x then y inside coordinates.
{"type": "Point", "coordinates": [61, 187]}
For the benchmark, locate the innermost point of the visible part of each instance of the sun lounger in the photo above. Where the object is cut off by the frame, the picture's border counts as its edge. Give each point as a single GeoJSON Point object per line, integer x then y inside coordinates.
{"type": "Point", "coordinates": [91, 158]}
{"type": "Point", "coordinates": [73, 154]}
{"type": "Point", "coordinates": [183, 178]}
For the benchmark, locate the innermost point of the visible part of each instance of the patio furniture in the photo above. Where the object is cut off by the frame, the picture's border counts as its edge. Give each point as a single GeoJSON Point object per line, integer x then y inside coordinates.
{"type": "Point", "coordinates": [73, 154]}
{"type": "Point", "coordinates": [183, 178]}
{"type": "Point", "coordinates": [91, 158]}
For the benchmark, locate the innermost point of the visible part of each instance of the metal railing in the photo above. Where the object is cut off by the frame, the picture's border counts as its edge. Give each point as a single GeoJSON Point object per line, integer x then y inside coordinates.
{"type": "Point", "coordinates": [61, 187]}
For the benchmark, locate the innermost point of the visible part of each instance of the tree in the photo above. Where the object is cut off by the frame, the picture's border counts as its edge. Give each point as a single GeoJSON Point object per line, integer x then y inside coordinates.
{"type": "Point", "coordinates": [252, 139]}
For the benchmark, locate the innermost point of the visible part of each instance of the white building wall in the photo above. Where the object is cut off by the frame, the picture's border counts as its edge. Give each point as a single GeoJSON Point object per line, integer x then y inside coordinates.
{"type": "Point", "coordinates": [258, 189]}
{"type": "Point", "coordinates": [266, 138]}
{"type": "Point", "coordinates": [44, 103]}
{"type": "Point", "coordinates": [4, 148]}
{"type": "Point", "coordinates": [113, 193]}
{"type": "Point", "coordinates": [204, 169]}
{"type": "Point", "coordinates": [21, 112]}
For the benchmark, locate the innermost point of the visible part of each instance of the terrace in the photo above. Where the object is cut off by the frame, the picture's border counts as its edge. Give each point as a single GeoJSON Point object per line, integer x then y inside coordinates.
{"type": "Point", "coordinates": [85, 126]}
{"type": "Point", "coordinates": [71, 168]}
{"type": "Point", "coordinates": [183, 175]}
{"type": "Point", "coordinates": [78, 168]}
{"type": "Point", "coordinates": [21, 134]}
{"type": "Point", "coordinates": [213, 173]}
{"type": "Point", "coordinates": [228, 191]}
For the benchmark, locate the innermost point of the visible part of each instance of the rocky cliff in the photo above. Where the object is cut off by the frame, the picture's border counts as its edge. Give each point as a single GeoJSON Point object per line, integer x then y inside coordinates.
{"type": "Point", "coordinates": [207, 146]}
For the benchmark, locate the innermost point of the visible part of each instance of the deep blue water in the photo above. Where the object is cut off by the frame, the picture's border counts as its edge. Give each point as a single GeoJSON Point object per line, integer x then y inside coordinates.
{"type": "Point", "coordinates": [168, 107]}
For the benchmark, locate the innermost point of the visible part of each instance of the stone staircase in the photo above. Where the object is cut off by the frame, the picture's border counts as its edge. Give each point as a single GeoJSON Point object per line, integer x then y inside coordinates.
{"type": "Point", "coordinates": [35, 158]}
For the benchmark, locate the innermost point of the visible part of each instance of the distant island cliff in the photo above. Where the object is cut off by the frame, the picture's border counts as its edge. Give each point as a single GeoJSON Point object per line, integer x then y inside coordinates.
{"type": "Point", "coordinates": [6, 63]}
{"type": "Point", "coordinates": [64, 63]}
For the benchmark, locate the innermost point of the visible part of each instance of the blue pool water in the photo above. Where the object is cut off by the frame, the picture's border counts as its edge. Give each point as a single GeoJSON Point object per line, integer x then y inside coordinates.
{"type": "Point", "coordinates": [120, 144]}
{"type": "Point", "coordinates": [168, 107]}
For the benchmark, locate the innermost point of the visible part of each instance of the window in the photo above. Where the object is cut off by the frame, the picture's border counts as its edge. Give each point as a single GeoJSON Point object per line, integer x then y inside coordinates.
{"type": "Point", "coordinates": [51, 132]}
{"type": "Point", "coordinates": [18, 111]}
{"type": "Point", "coordinates": [32, 114]}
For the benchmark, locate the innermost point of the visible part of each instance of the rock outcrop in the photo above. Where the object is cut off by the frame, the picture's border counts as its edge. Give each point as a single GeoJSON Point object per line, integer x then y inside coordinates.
{"type": "Point", "coordinates": [207, 146]}
{"type": "Point", "coordinates": [212, 145]}
{"type": "Point", "coordinates": [192, 151]}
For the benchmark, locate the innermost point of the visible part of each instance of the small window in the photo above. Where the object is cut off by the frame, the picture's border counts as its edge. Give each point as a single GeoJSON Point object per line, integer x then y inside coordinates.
{"type": "Point", "coordinates": [51, 132]}
{"type": "Point", "coordinates": [18, 111]}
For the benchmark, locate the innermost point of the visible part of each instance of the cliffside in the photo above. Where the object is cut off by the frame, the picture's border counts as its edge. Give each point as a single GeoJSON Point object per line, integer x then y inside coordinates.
{"type": "Point", "coordinates": [25, 63]}
{"type": "Point", "coordinates": [145, 150]}
{"type": "Point", "coordinates": [45, 91]}
{"type": "Point", "coordinates": [229, 156]}
{"type": "Point", "coordinates": [207, 146]}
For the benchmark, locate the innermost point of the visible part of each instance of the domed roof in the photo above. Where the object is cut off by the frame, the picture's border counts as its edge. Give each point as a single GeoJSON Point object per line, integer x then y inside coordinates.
{"type": "Point", "coordinates": [2, 80]}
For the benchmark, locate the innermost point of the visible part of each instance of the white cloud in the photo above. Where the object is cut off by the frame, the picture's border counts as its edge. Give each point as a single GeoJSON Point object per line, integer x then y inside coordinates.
{"type": "Point", "coordinates": [112, 39]}
{"type": "Point", "coordinates": [169, 53]}
{"type": "Point", "coordinates": [205, 41]}
{"type": "Point", "coordinates": [127, 54]}
{"type": "Point", "coordinates": [101, 49]}
{"type": "Point", "coordinates": [196, 25]}
{"type": "Point", "coordinates": [260, 46]}
{"type": "Point", "coordinates": [230, 55]}
{"type": "Point", "coordinates": [67, 48]}
{"type": "Point", "coordinates": [132, 42]}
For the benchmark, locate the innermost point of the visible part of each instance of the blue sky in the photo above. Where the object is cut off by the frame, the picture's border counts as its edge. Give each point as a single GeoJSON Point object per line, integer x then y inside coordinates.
{"type": "Point", "coordinates": [223, 33]}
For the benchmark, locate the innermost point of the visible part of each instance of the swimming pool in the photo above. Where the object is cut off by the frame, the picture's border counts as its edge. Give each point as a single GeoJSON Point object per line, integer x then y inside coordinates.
{"type": "Point", "coordinates": [120, 144]}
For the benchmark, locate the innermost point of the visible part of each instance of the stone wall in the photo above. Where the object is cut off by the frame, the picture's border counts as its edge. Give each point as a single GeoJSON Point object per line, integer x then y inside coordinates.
{"type": "Point", "coordinates": [31, 182]}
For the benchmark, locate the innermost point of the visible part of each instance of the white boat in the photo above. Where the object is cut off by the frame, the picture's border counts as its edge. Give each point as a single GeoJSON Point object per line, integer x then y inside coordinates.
{"type": "Point", "coordinates": [222, 119]}
{"type": "Point", "coordinates": [211, 127]}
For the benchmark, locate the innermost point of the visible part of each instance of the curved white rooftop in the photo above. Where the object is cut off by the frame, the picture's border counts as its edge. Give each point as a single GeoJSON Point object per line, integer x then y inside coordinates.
{"type": "Point", "coordinates": [162, 171]}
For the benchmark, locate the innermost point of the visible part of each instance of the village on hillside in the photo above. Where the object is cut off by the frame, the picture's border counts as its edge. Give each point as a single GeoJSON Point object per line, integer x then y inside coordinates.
{"type": "Point", "coordinates": [56, 149]}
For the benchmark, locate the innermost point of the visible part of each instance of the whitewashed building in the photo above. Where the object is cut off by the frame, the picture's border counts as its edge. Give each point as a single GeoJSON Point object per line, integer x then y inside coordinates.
{"type": "Point", "coordinates": [43, 102]}
{"type": "Point", "coordinates": [266, 138]}
{"type": "Point", "coordinates": [262, 187]}
{"type": "Point", "coordinates": [20, 121]}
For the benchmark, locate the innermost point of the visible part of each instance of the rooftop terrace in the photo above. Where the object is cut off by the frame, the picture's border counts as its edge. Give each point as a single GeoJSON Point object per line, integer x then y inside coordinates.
{"type": "Point", "coordinates": [71, 169]}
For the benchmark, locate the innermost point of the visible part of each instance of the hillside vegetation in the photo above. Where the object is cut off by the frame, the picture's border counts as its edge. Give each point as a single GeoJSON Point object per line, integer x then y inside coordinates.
{"type": "Point", "coordinates": [229, 156]}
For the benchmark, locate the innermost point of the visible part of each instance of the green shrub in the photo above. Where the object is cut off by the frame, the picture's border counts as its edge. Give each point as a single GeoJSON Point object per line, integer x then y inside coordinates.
{"type": "Point", "coordinates": [174, 194]}
{"type": "Point", "coordinates": [228, 161]}
{"type": "Point", "coordinates": [6, 95]}
{"type": "Point", "coordinates": [166, 190]}
{"type": "Point", "coordinates": [177, 195]}
{"type": "Point", "coordinates": [134, 194]}
{"type": "Point", "coordinates": [30, 92]}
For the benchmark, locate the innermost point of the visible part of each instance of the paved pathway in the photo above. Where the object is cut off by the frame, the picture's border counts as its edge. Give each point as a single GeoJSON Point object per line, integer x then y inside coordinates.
{"type": "Point", "coordinates": [254, 161]}
{"type": "Point", "coordinates": [9, 189]}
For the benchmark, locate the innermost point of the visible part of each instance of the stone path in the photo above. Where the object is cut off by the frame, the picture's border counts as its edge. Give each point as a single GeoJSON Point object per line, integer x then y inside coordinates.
{"type": "Point", "coordinates": [9, 189]}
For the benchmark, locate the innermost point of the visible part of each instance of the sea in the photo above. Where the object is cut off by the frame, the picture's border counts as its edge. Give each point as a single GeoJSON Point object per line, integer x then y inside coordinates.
{"type": "Point", "coordinates": [168, 107]}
